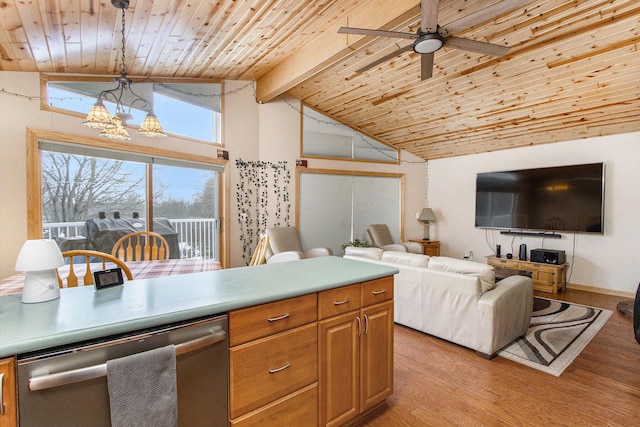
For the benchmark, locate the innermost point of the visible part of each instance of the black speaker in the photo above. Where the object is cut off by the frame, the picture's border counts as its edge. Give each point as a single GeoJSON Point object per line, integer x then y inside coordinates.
{"type": "Point", "coordinates": [548, 256]}
{"type": "Point", "coordinates": [523, 252]}
{"type": "Point", "coordinates": [498, 251]}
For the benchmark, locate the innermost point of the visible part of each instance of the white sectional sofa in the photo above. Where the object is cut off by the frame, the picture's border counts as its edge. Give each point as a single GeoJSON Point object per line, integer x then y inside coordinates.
{"type": "Point", "coordinates": [456, 300]}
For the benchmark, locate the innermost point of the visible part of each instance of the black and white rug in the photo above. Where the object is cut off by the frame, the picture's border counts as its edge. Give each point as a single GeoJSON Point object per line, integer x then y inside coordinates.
{"type": "Point", "coordinates": [559, 331]}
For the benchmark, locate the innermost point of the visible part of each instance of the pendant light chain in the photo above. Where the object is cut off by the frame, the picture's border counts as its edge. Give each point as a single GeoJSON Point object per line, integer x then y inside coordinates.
{"type": "Point", "coordinates": [123, 65]}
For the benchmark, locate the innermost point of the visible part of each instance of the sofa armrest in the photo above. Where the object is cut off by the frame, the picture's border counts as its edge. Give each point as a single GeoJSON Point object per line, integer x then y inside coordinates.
{"type": "Point", "coordinates": [317, 252]}
{"type": "Point", "coordinates": [504, 313]}
{"type": "Point", "coordinates": [285, 256]}
{"type": "Point", "coordinates": [414, 247]}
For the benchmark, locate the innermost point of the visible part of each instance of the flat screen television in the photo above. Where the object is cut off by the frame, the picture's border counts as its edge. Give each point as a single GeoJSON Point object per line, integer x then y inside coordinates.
{"type": "Point", "coordinates": [562, 198]}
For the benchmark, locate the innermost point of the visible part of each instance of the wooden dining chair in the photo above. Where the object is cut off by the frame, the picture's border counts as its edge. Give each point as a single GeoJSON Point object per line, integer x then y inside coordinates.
{"type": "Point", "coordinates": [259, 255]}
{"type": "Point", "coordinates": [87, 275]}
{"type": "Point", "coordinates": [141, 246]}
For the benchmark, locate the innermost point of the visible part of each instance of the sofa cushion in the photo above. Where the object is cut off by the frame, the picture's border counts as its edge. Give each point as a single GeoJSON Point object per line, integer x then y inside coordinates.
{"type": "Point", "coordinates": [373, 253]}
{"type": "Point", "coordinates": [405, 258]}
{"type": "Point", "coordinates": [483, 271]}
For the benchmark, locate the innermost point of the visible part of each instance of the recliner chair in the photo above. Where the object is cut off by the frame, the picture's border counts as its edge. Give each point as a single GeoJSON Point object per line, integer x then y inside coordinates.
{"type": "Point", "coordinates": [285, 245]}
{"type": "Point", "coordinates": [380, 236]}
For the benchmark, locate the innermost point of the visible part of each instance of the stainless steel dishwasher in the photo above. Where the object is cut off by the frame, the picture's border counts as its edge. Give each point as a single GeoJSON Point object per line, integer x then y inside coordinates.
{"type": "Point", "coordinates": [68, 386]}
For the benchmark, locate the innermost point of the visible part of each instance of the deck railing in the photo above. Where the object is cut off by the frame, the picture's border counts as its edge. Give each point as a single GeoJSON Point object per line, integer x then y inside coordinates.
{"type": "Point", "coordinates": [197, 237]}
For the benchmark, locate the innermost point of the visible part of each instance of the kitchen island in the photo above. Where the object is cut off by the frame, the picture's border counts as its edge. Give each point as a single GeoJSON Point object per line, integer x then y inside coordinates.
{"type": "Point", "coordinates": [83, 314]}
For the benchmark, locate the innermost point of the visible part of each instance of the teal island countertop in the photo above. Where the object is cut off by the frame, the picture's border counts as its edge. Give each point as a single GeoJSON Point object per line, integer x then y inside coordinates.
{"type": "Point", "coordinates": [83, 313]}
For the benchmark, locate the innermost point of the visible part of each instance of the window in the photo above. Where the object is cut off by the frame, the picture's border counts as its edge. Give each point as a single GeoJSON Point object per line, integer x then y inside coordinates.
{"type": "Point", "coordinates": [325, 137]}
{"type": "Point", "coordinates": [336, 207]}
{"type": "Point", "coordinates": [91, 195]}
{"type": "Point", "coordinates": [177, 105]}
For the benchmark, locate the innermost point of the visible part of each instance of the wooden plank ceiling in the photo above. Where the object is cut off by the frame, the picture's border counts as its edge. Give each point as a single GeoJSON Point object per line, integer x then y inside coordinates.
{"type": "Point", "coordinates": [573, 70]}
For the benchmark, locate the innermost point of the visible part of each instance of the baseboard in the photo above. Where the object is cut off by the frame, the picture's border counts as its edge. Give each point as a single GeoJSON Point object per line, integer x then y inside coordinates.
{"type": "Point", "coordinates": [604, 291]}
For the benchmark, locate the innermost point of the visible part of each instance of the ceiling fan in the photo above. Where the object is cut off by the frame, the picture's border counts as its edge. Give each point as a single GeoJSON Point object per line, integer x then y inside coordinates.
{"type": "Point", "coordinates": [430, 37]}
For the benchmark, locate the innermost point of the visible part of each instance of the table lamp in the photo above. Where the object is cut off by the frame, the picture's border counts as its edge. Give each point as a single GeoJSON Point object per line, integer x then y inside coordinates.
{"type": "Point", "coordinates": [39, 260]}
{"type": "Point", "coordinates": [425, 216]}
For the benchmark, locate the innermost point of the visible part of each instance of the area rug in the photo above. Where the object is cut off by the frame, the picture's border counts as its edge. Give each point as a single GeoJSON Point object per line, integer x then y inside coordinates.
{"type": "Point", "coordinates": [559, 331]}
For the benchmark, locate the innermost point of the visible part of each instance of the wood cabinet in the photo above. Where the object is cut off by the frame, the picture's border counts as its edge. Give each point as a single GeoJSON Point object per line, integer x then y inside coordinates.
{"type": "Point", "coordinates": [546, 277]}
{"type": "Point", "coordinates": [9, 408]}
{"type": "Point", "coordinates": [273, 365]}
{"type": "Point", "coordinates": [355, 344]}
{"type": "Point", "coordinates": [320, 359]}
{"type": "Point", "coordinates": [429, 247]}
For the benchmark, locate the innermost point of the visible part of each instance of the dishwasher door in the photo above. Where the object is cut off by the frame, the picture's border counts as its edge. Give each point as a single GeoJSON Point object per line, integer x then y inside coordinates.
{"type": "Point", "coordinates": [68, 386]}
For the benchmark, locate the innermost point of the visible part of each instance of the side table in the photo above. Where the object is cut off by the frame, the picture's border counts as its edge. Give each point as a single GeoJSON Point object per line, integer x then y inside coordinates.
{"type": "Point", "coordinates": [429, 247]}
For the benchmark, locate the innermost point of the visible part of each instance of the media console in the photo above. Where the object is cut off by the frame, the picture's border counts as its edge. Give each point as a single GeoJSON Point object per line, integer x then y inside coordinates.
{"type": "Point", "coordinates": [546, 277]}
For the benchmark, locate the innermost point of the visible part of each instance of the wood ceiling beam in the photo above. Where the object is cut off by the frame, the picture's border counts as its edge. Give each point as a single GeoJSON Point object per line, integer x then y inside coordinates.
{"type": "Point", "coordinates": [330, 47]}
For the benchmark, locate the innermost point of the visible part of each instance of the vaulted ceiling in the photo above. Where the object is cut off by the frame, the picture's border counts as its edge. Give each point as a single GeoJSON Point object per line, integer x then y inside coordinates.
{"type": "Point", "coordinates": [572, 71]}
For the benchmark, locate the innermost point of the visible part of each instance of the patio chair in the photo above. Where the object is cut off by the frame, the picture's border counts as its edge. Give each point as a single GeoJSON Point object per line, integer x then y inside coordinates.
{"type": "Point", "coordinates": [75, 268]}
{"type": "Point", "coordinates": [141, 246]}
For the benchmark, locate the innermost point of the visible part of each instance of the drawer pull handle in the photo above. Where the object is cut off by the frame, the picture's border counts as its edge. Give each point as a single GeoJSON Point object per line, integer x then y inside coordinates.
{"type": "Point", "coordinates": [1, 392]}
{"type": "Point", "coordinates": [381, 291]}
{"type": "Point", "coordinates": [275, 319]}
{"type": "Point", "coordinates": [282, 368]}
{"type": "Point", "coordinates": [344, 301]}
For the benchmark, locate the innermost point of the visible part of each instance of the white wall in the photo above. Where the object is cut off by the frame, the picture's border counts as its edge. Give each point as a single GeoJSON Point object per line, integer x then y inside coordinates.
{"type": "Point", "coordinates": [268, 132]}
{"type": "Point", "coordinates": [608, 261]}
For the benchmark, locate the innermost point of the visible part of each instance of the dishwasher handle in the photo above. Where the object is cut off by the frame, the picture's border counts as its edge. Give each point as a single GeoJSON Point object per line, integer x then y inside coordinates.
{"type": "Point", "coordinates": [58, 379]}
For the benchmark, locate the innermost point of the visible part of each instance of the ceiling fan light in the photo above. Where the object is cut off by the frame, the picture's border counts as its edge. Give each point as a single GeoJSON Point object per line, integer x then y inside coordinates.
{"type": "Point", "coordinates": [151, 127]}
{"type": "Point", "coordinates": [98, 117]}
{"type": "Point", "coordinates": [428, 43]}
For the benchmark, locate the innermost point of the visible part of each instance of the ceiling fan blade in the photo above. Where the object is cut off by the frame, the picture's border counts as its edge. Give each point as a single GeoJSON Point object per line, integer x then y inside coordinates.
{"type": "Point", "coordinates": [483, 15]}
{"type": "Point", "coordinates": [483, 48]}
{"type": "Point", "coordinates": [429, 15]}
{"type": "Point", "coordinates": [426, 66]}
{"type": "Point", "coordinates": [384, 59]}
{"type": "Point", "coordinates": [379, 33]}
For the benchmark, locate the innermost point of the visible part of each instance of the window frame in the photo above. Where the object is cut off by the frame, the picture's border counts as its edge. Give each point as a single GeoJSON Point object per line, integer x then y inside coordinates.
{"type": "Point", "coordinates": [399, 176]}
{"type": "Point", "coordinates": [44, 96]}
{"type": "Point", "coordinates": [34, 177]}
{"type": "Point", "coordinates": [303, 106]}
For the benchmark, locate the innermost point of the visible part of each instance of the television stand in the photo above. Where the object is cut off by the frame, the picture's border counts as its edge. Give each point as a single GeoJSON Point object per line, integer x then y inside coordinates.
{"type": "Point", "coordinates": [550, 278]}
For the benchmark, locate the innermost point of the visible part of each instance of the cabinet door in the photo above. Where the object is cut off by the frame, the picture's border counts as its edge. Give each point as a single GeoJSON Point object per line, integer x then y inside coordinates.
{"type": "Point", "coordinates": [338, 380]}
{"type": "Point", "coordinates": [376, 354]}
{"type": "Point", "coordinates": [8, 412]}
{"type": "Point", "coordinates": [545, 274]}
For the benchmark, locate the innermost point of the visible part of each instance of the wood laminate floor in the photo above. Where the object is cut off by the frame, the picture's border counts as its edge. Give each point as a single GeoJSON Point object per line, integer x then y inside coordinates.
{"type": "Point", "coordinates": [438, 383]}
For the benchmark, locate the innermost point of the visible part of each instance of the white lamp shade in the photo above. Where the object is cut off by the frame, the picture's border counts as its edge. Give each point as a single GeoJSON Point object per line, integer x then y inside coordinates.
{"type": "Point", "coordinates": [39, 260]}
{"type": "Point", "coordinates": [427, 215]}
{"type": "Point", "coordinates": [39, 255]}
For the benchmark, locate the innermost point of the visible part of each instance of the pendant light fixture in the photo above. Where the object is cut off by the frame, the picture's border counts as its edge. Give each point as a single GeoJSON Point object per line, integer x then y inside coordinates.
{"type": "Point", "coordinates": [115, 127]}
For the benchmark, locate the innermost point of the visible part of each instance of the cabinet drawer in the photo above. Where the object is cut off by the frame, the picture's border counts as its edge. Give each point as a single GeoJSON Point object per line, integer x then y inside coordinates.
{"type": "Point", "coordinates": [375, 291]}
{"type": "Point", "coordinates": [339, 300]}
{"type": "Point", "coordinates": [506, 263]}
{"type": "Point", "coordinates": [270, 368]}
{"type": "Point", "coordinates": [263, 320]}
{"type": "Point", "coordinates": [297, 409]}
